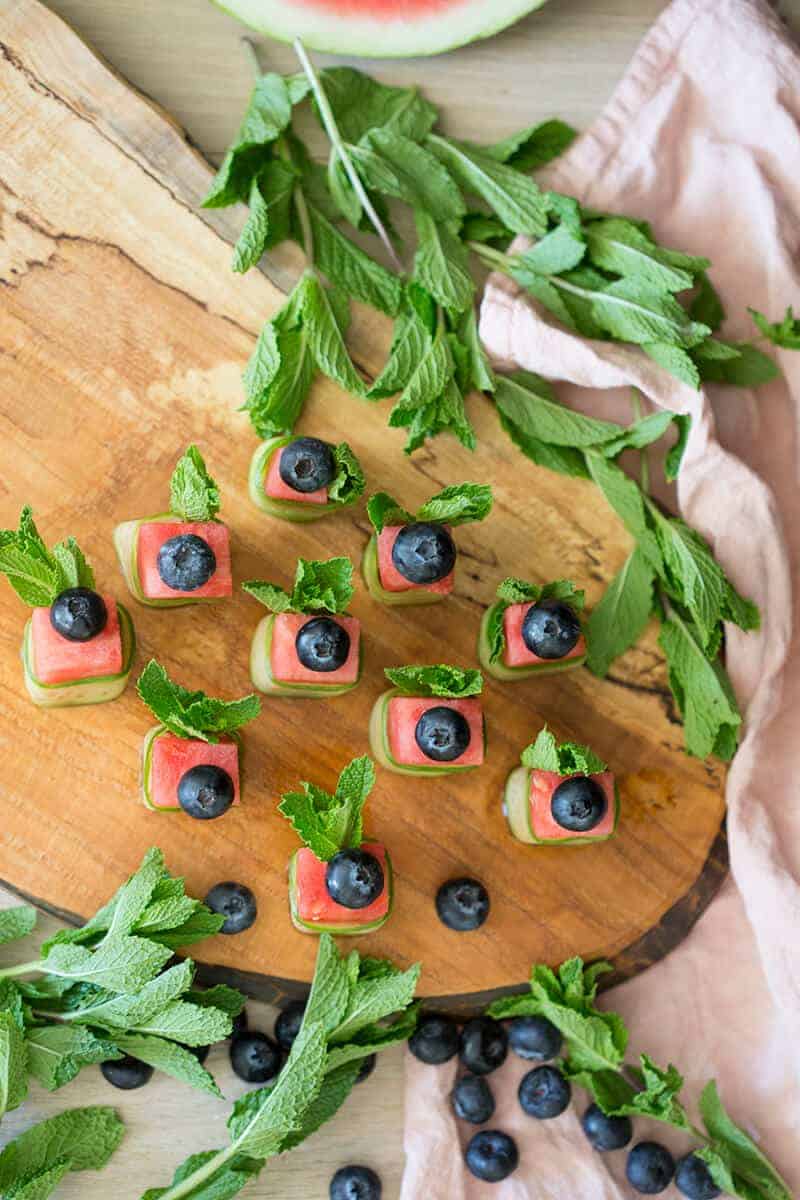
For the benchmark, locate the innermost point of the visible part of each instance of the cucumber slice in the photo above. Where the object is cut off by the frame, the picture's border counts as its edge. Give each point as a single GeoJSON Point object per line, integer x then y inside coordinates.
{"type": "Point", "coordinates": [96, 690]}
{"type": "Point", "coordinates": [511, 674]}
{"type": "Point", "coordinates": [297, 511]}
{"type": "Point", "coordinates": [126, 544]}
{"type": "Point", "coordinates": [379, 743]}
{"type": "Point", "coordinates": [147, 767]}
{"type": "Point", "coordinates": [517, 805]}
{"type": "Point", "coordinates": [264, 680]}
{"type": "Point", "coordinates": [369, 569]}
{"type": "Point", "coordinates": [352, 930]}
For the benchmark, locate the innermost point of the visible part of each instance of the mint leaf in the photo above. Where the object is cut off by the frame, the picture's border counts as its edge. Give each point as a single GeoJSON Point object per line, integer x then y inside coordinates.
{"type": "Point", "coordinates": [621, 247]}
{"type": "Point", "coordinates": [349, 482]}
{"type": "Point", "coordinates": [325, 338]}
{"type": "Point", "coordinates": [123, 964]}
{"type": "Point", "coordinates": [747, 1164]}
{"type": "Point", "coordinates": [565, 758]}
{"type": "Point", "coordinates": [383, 510]}
{"type": "Point", "coordinates": [202, 924]}
{"type": "Point", "coordinates": [334, 977]}
{"type": "Point", "coordinates": [560, 250]}
{"type": "Point", "coordinates": [41, 1185]}
{"type": "Point", "coordinates": [533, 147]}
{"type": "Point", "coordinates": [411, 342]}
{"type": "Point", "coordinates": [192, 714]}
{"type": "Point", "coordinates": [678, 362]}
{"type": "Point", "coordinates": [706, 306]}
{"type": "Point", "coordinates": [193, 494]}
{"type": "Point", "coordinates": [326, 823]}
{"type": "Point", "coordinates": [281, 368]}
{"type": "Point", "coordinates": [84, 1137]}
{"type": "Point", "coordinates": [372, 1038]}
{"type": "Point", "coordinates": [411, 173]}
{"type": "Point", "coordinates": [30, 568]}
{"type": "Point", "coordinates": [626, 498]}
{"type": "Point", "coordinates": [481, 375]}
{"type": "Point", "coordinates": [618, 620]}
{"type": "Point", "coordinates": [441, 263]}
{"type": "Point", "coordinates": [360, 103]}
{"type": "Point", "coordinates": [16, 922]}
{"type": "Point", "coordinates": [373, 998]}
{"type": "Point", "coordinates": [650, 429]}
{"type": "Point", "coordinates": [336, 1087]}
{"type": "Point", "coordinates": [702, 692]}
{"type": "Point", "coordinates": [750, 368]}
{"type": "Point", "coordinates": [350, 268]}
{"type": "Point", "coordinates": [318, 586]}
{"type": "Point", "coordinates": [269, 222]}
{"type": "Point", "coordinates": [220, 996]}
{"type": "Point", "coordinates": [73, 567]}
{"type": "Point", "coordinates": [268, 114]}
{"type": "Point", "coordinates": [56, 1053]}
{"type": "Point", "coordinates": [514, 197]}
{"type": "Point", "coordinates": [168, 1057]}
{"type": "Point", "coordinates": [538, 415]}
{"type": "Point", "coordinates": [13, 1064]}
{"type": "Point", "coordinates": [222, 1184]}
{"type": "Point", "coordinates": [427, 415]}
{"type": "Point", "coordinates": [458, 504]}
{"type": "Point", "coordinates": [441, 680]}
{"type": "Point", "coordinates": [633, 310]}
{"type": "Point", "coordinates": [486, 229]}
{"type": "Point", "coordinates": [784, 333]}
{"type": "Point", "coordinates": [275, 598]}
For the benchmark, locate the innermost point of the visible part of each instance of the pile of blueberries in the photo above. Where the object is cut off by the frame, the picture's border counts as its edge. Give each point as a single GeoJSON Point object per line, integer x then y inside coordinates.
{"type": "Point", "coordinates": [544, 1093]}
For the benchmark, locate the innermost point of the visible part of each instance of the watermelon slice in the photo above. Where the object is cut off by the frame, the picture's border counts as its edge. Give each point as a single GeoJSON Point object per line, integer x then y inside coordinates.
{"type": "Point", "coordinates": [526, 805]}
{"type": "Point", "coordinates": [166, 758]}
{"type": "Point", "coordinates": [380, 28]}
{"type": "Point", "coordinates": [273, 496]}
{"type": "Point", "coordinates": [518, 662]}
{"type": "Point", "coordinates": [138, 543]}
{"type": "Point", "coordinates": [276, 669]}
{"type": "Point", "coordinates": [313, 910]}
{"type": "Point", "coordinates": [386, 584]}
{"type": "Point", "coordinates": [60, 673]}
{"type": "Point", "coordinates": [391, 732]}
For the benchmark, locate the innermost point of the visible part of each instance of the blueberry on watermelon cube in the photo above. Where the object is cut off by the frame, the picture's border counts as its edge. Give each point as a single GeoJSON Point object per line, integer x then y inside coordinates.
{"type": "Point", "coordinates": [410, 564]}
{"type": "Point", "coordinates": [64, 670]}
{"type": "Point", "coordinates": [312, 906]}
{"type": "Point", "coordinates": [169, 562]}
{"type": "Point", "coordinates": [539, 639]}
{"type": "Point", "coordinates": [306, 654]}
{"type": "Point", "coordinates": [202, 778]}
{"type": "Point", "coordinates": [301, 471]}
{"type": "Point", "coordinates": [429, 735]}
{"type": "Point", "coordinates": [543, 807]}
{"type": "Point", "coordinates": [294, 477]}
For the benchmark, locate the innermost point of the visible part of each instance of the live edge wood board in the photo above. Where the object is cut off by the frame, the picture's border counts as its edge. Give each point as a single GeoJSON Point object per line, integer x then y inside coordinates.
{"type": "Point", "coordinates": [123, 333]}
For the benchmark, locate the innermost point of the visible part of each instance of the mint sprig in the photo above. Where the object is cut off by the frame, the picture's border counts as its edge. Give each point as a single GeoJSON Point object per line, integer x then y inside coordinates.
{"type": "Point", "coordinates": [455, 505]}
{"type": "Point", "coordinates": [193, 494]}
{"type": "Point", "coordinates": [330, 823]}
{"type": "Point", "coordinates": [319, 586]}
{"type": "Point", "coordinates": [35, 573]}
{"type": "Point", "coordinates": [564, 758]}
{"type": "Point", "coordinates": [80, 1139]}
{"type": "Point", "coordinates": [454, 683]}
{"type": "Point", "coordinates": [192, 714]}
{"type": "Point", "coordinates": [518, 591]}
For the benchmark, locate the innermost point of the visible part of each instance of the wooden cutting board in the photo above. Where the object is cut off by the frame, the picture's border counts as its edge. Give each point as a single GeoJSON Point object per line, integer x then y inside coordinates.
{"type": "Point", "coordinates": [123, 334]}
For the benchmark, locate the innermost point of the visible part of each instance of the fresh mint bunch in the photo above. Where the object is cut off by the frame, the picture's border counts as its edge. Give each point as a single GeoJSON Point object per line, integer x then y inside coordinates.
{"type": "Point", "coordinates": [35, 1162]}
{"type": "Point", "coordinates": [330, 823]}
{"type": "Point", "coordinates": [35, 573]}
{"type": "Point", "coordinates": [454, 683]}
{"type": "Point", "coordinates": [192, 714]}
{"type": "Point", "coordinates": [784, 333]}
{"type": "Point", "coordinates": [455, 505]}
{"type": "Point", "coordinates": [319, 586]}
{"type": "Point", "coordinates": [563, 758]}
{"type": "Point", "coordinates": [193, 494]}
{"type": "Point", "coordinates": [517, 591]}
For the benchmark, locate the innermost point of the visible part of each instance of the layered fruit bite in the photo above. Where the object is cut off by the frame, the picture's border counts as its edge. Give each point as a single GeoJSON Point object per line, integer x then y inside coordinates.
{"type": "Point", "coordinates": [563, 794]}
{"type": "Point", "coordinates": [411, 557]}
{"type": "Point", "coordinates": [182, 556]}
{"type": "Point", "coordinates": [431, 722]}
{"type": "Point", "coordinates": [304, 478]}
{"type": "Point", "coordinates": [532, 630]}
{"type": "Point", "coordinates": [191, 759]}
{"type": "Point", "coordinates": [307, 645]}
{"type": "Point", "coordinates": [78, 645]}
{"type": "Point", "coordinates": [339, 881]}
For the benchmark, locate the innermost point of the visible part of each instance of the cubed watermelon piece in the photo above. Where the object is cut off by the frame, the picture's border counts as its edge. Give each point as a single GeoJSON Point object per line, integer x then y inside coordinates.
{"type": "Point", "coordinates": [314, 906]}
{"type": "Point", "coordinates": [58, 660]}
{"type": "Point", "coordinates": [546, 828]}
{"type": "Point", "coordinates": [170, 757]}
{"type": "Point", "coordinates": [391, 579]}
{"type": "Point", "coordinates": [401, 721]}
{"type": "Point", "coordinates": [151, 537]}
{"type": "Point", "coordinates": [286, 666]}
{"type": "Point", "coordinates": [278, 490]}
{"type": "Point", "coordinates": [517, 653]}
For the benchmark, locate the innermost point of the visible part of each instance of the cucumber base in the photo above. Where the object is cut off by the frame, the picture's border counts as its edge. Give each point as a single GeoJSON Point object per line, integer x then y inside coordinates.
{"type": "Point", "coordinates": [372, 578]}
{"type": "Point", "coordinates": [511, 674]}
{"type": "Point", "coordinates": [265, 681]}
{"type": "Point", "coordinates": [296, 511]}
{"type": "Point", "coordinates": [517, 811]}
{"type": "Point", "coordinates": [350, 930]}
{"type": "Point", "coordinates": [379, 744]}
{"type": "Point", "coordinates": [126, 544]}
{"type": "Point", "coordinates": [98, 689]}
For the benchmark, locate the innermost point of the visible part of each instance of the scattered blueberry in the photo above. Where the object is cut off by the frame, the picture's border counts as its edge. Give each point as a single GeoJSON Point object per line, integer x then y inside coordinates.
{"type": "Point", "coordinates": [606, 1133]}
{"type": "Point", "coordinates": [200, 1052]}
{"type": "Point", "coordinates": [693, 1179]}
{"type": "Point", "coordinates": [127, 1073]}
{"type": "Point", "coordinates": [484, 1045]}
{"type": "Point", "coordinates": [236, 903]}
{"type": "Point", "coordinates": [435, 1040]}
{"type": "Point", "coordinates": [442, 733]}
{"type": "Point", "coordinates": [578, 804]}
{"type": "Point", "coordinates": [354, 878]}
{"type": "Point", "coordinates": [78, 614]}
{"type": "Point", "coordinates": [288, 1022]}
{"type": "Point", "coordinates": [186, 562]}
{"type": "Point", "coordinates": [544, 1093]}
{"type": "Point", "coordinates": [254, 1057]}
{"type": "Point", "coordinates": [550, 629]}
{"type": "Point", "coordinates": [355, 1183]}
{"type": "Point", "coordinates": [462, 904]}
{"type": "Point", "coordinates": [534, 1038]}
{"type": "Point", "coordinates": [307, 464]}
{"type": "Point", "coordinates": [368, 1064]}
{"type": "Point", "coordinates": [650, 1168]}
{"type": "Point", "coordinates": [239, 1023]}
{"type": "Point", "coordinates": [472, 1100]}
{"type": "Point", "coordinates": [492, 1155]}
{"type": "Point", "coordinates": [424, 553]}
{"type": "Point", "coordinates": [322, 644]}
{"type": "Point", "coordinates": [205, 792]}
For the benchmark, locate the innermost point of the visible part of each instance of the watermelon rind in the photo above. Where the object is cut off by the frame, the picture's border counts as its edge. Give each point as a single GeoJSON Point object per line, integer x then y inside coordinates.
{"type": "Point", "coordinates": [147, 766]}
{"type": "Point", "coordinates": [264, 681]}
{"type": "Point", "coordinates": [369, 569]}
{"type": "Point", "coordinates": [323, 28]}
{"type": "Point", "coordinates": [517, 811]}
{"type": "Point", "coordinates": [379, 744]}
{"type": "Point", "coordinates": [513, 674]}
{"type": "Point", "coordinates": [297, 511]}
{"type": "Point", "coordinates": [353, 930]}
{"type": "Point", "coordinates": [126, 544]}
{"type": "Point", "coordinates": [97, 689]}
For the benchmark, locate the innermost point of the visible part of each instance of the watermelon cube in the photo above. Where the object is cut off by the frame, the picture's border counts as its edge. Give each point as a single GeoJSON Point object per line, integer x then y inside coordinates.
{"type": "Point", "coordinates": [276, 669]}
{"type": "Point", "coordinates": [313, 910]}
{"type": "Point", "coordinates": [166, 759]}
{"type": "Point", "coordinates": [275, 487]}
{"type": "Point", "coordinates": [392, 734]}
{"type": "Point", "coordinates": [58, 660]}
{"type": "Point", "coordinates": [390, 578]}
{"type": "Point", "coordinates": [518, 661]}
{"type": "Point", "coordinates": [151, 537]}
{"type": "Point", "coordinates": [527, 807]}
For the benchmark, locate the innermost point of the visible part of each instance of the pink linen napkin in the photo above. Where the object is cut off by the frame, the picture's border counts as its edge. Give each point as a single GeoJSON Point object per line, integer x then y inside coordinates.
{"type": "Point", "coordinates": [701, 138]}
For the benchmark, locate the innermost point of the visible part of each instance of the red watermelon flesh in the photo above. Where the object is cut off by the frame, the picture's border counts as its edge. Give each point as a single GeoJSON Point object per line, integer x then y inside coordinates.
{"type": "Point", "coordinates": [286, 666]}
{"type": "Point", "coordinates": [401, 722]}
{"type": "Point", "coordinates": [171, 757]}
{"type": "Point", "coordinates": [315, 905]}
{"type": "Point", "coordinates": [390, 577]}
{"type": "Point", "coordinates": [153, 534]}
{"type": "Point", "coordinates": [517, 653]}
{"type": "Point", "coordinates": [278, 490]}
{"type": "Point", "coordinates": [58, 660]}
{"type": "Point", "coordinates": [543, 784]}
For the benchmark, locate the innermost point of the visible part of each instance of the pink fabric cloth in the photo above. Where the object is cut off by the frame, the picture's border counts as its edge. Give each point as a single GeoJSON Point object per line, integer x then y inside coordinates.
{"type": "Point", "coordinates": [701, 138]}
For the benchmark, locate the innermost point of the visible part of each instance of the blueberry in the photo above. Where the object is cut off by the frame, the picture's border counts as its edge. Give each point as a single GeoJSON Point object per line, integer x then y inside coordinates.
{"type": "Point", "coordinates": [127, 1073]}
{"type": "Point", "coordinates": [288, 1022]}
{"type": "Point", "coordinates": [368, 1064]}
{"type": "Point", "coordinates": [462, 904]}
{"type": "Point", "coordinates": [550, 629]}
{"type": "Point", "coordinates": [484, 1045]}
{"type": "Point", "coordinates": [200, 1052]}
{"type": "Point", "coordinates": [442, 733]}
{"type": "Point", "coordinates": [578, 804]}
{"type": "Point", "coordinates": [236, 903]}
{"type": "Point", "coordinates": [435, 1040]}
{"type": "Point", "coordinates": [254, 1057]}
{"type": "Point", "coordinates": [544, 1093]}
{"type": "Point", "coordinates": [205, 792]}
{"type": "Point", "coordinates": [307, 464]}
{"type": "Point", "coordinates": [606, 1133]}
{"type": "Point", "coordinates": [354, 878]}
{"type": "Point", "coordinates": [78, 614]}
{"type": "Point", "coordinates": [492, 1155]}
{"type": "Point", "coordinates": [472, 1100]}
{"type": "Point", "coordinates": [322, 644]}
{"type": "Point", "coordinates": [650, 1168]}
{"type": "Point", "coordinates": [534, 1038]}
{"type": "Point", "coordinates": [693, 1179]}
{"type": "Point", "coordinates": [186, 562]}
{"type": "Point", "coordinates": [239, 1023]}
{"type": "Point", "coordinates": [355, 1183]}
{"type": "Point", "coordinates": [424, 553]}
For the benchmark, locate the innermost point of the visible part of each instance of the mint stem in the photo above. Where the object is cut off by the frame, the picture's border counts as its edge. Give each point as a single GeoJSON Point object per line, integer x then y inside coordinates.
{"type": "Point", "coordinates": [188, 1185]}
{"type": "Point", "coordinates": [644, 458]}
{"type": "Point", "coordinates": [28, 968]}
